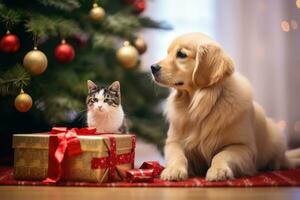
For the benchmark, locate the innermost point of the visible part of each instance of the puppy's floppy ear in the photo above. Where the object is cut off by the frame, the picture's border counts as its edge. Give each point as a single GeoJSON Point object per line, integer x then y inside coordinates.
{"type": "Point", "coordinates": [212, 65]}
{"type": "Point", "coordinates": [219, 62]}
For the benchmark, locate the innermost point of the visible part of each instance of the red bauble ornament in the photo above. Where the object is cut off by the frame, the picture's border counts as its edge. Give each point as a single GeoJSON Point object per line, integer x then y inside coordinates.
{"type": "Point", "coordinates": [128, 1]}
{"type": "Point", "coordinates": [64, 53]}
{"type": "Point", "coordinates": [139, 6]}
{"type": "Point", "coordinates": [9, 43]}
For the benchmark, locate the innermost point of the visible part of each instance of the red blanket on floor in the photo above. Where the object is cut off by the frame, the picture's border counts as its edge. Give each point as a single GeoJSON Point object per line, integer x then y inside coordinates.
{"type": "Point", "coordinates": [275, 178]}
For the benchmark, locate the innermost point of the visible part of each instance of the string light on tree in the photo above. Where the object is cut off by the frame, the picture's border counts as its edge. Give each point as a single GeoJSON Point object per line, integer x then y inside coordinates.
{"type": "Point", "coordinates": [64, 53]}
{"type": "Point", "coordinates": [140, 45]}
{"type": "Point", "coordinates": [23, 102]}
{"type": "Point", "coordinates": [97, 13]}
{"type": "Point", "coordinates": [127, 55]}
{"type": "Point", "coordinates": [9, 43]}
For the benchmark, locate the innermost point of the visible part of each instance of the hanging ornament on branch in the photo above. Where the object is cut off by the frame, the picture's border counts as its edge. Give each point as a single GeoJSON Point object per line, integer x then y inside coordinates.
{"type": "Point", "coordinates": [35, 61]}
{"type": "Point", "coordinates": [9, 43]}
{"type": "Point", "coordinates": [140, 45]}
{"type": "Point", "coordinates": [139, 6]}
{"type": "Point", "coordinates": [64, 53]}
{"type": "Point", "coordinates": [97, 13]}
{"type": "Point", "coordinates": [127, 55]}
{"type": "Point", "coordinates": [23, 102]}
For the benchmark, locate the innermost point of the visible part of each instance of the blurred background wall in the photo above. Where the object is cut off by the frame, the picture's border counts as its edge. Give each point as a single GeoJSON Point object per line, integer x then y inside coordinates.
{"type": "Point", "coordinates": [263, 38]}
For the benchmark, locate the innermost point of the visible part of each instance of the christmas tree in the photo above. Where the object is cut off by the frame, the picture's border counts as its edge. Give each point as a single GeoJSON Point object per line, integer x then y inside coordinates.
{"type": "Point", "coordinates": [74, 41]}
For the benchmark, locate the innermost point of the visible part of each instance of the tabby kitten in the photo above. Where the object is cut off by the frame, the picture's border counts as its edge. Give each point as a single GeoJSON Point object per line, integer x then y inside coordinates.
{"type": "Point", "coordinates": [105, 111]}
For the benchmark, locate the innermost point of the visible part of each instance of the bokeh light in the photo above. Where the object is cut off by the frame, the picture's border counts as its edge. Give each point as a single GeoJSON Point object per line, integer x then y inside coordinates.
{"type": "Point", "coordinates": [298, 3]}
{"type": "Point", "coordinates": [281, 124]}
{"type": "Point", "coordinates": [294, 24]}
{"type": "Point", "coordinates": [285, 26]}
{"type": "Point", "coordinates": [297, 126]}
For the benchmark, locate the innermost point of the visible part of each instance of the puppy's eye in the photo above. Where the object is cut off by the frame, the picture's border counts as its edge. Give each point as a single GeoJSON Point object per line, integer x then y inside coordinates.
{"type": "Point", "coordinates": [180, 54]}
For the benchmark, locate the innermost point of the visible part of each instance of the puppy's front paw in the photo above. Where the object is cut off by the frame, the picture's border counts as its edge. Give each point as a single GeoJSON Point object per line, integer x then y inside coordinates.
{"type": "Point", "coordinates": [174, 173]}
{"type": "Point", "coordinates": [219, 173]}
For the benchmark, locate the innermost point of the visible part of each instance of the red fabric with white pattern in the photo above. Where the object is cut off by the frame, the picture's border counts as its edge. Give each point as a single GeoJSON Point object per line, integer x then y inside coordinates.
{"type": "Point", "coordinates": [276, 178]}
{"type": "Point", "coordinates": [139, 175]}
{"type": "Point", "coordinates": [146, 173]}
{"type": "Point", "coordinates": [157, 168]}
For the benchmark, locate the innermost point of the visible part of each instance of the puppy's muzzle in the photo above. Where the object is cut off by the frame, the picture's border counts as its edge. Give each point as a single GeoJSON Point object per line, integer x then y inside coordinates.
{"type": "Point", "coordinates": [155, 69]}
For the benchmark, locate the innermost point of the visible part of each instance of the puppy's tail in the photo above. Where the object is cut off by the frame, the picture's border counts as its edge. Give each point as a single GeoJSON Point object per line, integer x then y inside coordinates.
{"type": "Point", "coordinates": [293, 158]}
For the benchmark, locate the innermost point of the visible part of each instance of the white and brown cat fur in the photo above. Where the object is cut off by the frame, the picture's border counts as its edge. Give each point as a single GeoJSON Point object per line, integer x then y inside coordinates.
{"type": "Point", "coordinates": [104, 108]}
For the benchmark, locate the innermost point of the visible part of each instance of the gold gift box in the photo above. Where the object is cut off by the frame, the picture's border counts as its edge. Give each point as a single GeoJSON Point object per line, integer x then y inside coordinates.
{"type": "Point", "coordinates": [31, 157]}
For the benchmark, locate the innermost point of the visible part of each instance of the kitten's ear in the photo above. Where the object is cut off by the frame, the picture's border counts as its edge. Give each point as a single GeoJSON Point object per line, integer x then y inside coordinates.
{"type": "Point", "coordinates": [115, 86]}
{"type": "Point", "coordinates": [91, 85]}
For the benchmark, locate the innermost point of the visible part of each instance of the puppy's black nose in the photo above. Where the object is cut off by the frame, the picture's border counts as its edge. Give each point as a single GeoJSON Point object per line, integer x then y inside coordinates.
{"type": "Point", "coordinates": [155, 68]}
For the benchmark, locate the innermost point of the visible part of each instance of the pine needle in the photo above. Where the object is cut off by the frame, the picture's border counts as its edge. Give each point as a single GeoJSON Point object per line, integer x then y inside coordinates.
{"type": "Point", "coordinates": [65, 5]}
{"type": "Point", "coordinates": [13, 79]}
{"type": "Point", "coordinates": [51, 26]}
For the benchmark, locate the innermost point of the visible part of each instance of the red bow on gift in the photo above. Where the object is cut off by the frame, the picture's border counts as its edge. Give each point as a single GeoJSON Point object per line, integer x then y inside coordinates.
{"type": "Point", "coordinates": [62, 140]}
{"type": "Point", "coordinates": [146, 173]}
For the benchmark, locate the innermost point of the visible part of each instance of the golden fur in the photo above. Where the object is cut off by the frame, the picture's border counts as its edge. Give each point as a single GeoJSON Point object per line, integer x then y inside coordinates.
{"type": "Point", "coordinates": [215, 127]}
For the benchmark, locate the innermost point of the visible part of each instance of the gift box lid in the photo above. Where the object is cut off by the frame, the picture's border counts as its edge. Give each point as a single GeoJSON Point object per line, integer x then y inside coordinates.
{"type": "Point", "coordinates": [88, 143]}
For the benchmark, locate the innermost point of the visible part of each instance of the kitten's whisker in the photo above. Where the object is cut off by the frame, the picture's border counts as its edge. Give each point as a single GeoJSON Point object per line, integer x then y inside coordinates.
{"type": "Point", "coordinates": [81, 114]}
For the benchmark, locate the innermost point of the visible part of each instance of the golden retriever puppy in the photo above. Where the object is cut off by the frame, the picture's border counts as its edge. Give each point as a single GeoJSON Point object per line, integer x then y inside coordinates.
{"type": "Point", "coordinates": [214, 125]}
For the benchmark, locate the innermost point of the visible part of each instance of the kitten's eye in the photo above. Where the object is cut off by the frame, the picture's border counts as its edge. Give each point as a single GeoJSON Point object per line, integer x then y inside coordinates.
{"type": "Point", "coordinates": [95, 100]}
{"type": "Point", "coordinates": [105, 100]}
{"type": "Point", "coordinates": [180, 54]}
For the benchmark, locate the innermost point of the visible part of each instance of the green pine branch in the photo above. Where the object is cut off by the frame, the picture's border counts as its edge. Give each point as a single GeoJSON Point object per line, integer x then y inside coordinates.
{"type": "Point", "coordinates": [60, 107]}
{"type": "Point", "coordinates": [13, 79]}
{"type": "Point", "coordinates": [65, 5]}
{"type": "Point", "coordinates": [9, 16]}
{"type": "Point", "coordinates": [103, 41]}
{"type": "Point", "coordinates": [121, 24]}
{"type": "Point", "coordinates": [149, 23]}
{"type": "Point", "coordinates": [51, 26]}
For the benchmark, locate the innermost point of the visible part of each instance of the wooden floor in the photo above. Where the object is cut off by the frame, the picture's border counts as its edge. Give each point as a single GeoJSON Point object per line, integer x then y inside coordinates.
{"type": "Point", "coordinates": [74, 193]}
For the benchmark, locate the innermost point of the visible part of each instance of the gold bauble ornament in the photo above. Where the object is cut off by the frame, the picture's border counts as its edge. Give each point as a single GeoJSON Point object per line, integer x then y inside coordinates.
{"type": "Point", "coordinates": [140, 45]}
{"type": "Point", "coordinates": [35, 61]}
{"type": "Point", "coordinates": [23, 102]}
{"type": "Point", "coordinates": [97, 13]}
{"type": "Point", "coordinates": [127, 56]}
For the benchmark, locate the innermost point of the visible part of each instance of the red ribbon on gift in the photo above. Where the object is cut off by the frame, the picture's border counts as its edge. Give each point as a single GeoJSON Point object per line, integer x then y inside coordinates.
{"type": "Point", "coordinates": [62, 141]}
{"type": "Point", "coordinates": [113, 159]}
{"type": "Point", "coordinates": [146, 173]}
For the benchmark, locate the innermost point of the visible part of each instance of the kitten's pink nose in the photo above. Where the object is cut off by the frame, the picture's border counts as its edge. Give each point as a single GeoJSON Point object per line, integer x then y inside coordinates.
{"type": "Point", "coordinates": [100, 108]}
